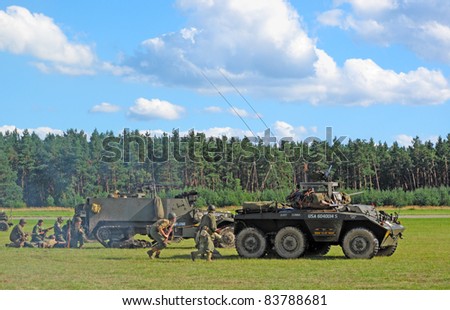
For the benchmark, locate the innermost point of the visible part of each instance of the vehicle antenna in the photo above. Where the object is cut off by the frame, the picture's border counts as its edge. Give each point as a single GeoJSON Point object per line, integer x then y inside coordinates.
{"type": "Point", "coordinates": [229, 103]}
{"type": "Point", "coordinates": [242, 96]}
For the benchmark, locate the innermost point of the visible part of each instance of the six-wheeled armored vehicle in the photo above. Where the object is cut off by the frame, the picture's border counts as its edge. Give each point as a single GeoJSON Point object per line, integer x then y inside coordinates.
{"type": "Point", "coordinates": [316, 219]}
{"type": "Point", "coordinates": [115, 220]}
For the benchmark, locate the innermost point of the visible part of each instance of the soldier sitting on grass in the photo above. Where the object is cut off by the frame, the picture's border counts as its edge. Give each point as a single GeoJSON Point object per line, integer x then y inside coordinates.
{"type": "Point", "coordinates": [18, 237]}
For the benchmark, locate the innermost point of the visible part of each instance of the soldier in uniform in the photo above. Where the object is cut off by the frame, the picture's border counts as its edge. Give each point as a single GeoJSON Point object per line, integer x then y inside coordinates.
{"type": "Point", "coordinates": [59, 234]}
{"type": "Point", "coordinates": [205, 244]}
{"type": "Point", "coordinates": [18, 237]}
{"type": "Point", "coordinates": [77, 234]}
{"type": "Point", "coordinates": [38, 234]}
{"type": "Point", "coordinates": [160, 232]}
{"type": "Point", "coordinates": [209, 220]}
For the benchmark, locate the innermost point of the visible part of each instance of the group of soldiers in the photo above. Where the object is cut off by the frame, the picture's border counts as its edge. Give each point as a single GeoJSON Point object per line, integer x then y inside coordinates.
{"type": "Point", "coordinates": [70, 235]}
{"type": "Point", "coordinates": [206, 235]}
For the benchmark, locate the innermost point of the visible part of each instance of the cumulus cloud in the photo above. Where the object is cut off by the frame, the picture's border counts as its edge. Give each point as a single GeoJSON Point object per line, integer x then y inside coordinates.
{"type": "Point", "coordinates": [286, 131]}
{"type": "Point", "coordinates": [265, 38]}
{"type": "Point", "coordinates": [104, 107]}
{"type": "Point", "coordinates": [23, 32]}
{"type": "Point", "coordinates": [42, 132]}
{"type": "Point", "coordinates": [264, 49]}
{"type": "Point", "coordinates": [147, 109]}
{"type": "Point", "coordinates": [421, 25]}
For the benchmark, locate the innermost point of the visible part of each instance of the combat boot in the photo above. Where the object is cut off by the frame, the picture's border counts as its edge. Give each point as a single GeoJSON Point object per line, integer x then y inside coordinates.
{"type": "Point", "coordinates": [157, 254]}
{"type": "Point", "coordinates": [209, 256]}
{"type": "Point", "coordinates": [150, 254]}
{"type": "Point", "coordinates": [193, 255]}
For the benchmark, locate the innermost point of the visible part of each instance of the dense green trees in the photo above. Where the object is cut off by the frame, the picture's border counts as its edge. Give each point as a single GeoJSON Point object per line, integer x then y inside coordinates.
{"type": "Point", "coordinates": [62, 170]}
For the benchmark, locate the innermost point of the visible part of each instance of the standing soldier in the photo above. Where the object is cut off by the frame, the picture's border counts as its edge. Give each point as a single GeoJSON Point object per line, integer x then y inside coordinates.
{"type": "Point", "coordinates": [18, 237]}
{"type": "Point", "coordinates": [160, 232]}
{"type": "Point", "coordinates": [77, 234]}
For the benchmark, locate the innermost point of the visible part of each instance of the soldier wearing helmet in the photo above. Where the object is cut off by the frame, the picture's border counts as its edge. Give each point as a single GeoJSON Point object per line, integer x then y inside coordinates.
{"type": "Point", "coordinates": [208, 220]}
{"type": "Point", "coordinates": [18, 237]}
{"type": "Point", "coordinates": [160, 232]}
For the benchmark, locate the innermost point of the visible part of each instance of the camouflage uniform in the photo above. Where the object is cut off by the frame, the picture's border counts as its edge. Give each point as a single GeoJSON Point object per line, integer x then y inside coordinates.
{"type": "Point", "coordinates": [18, 236]}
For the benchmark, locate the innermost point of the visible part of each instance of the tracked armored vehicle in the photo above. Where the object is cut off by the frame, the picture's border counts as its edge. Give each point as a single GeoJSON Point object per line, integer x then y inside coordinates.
{"type": "Point", "coordinates": [4, 222]}
{"type": "Point", "coordinates": [115, 220]}
{"type": "Point", "coordinates": [314, 220]}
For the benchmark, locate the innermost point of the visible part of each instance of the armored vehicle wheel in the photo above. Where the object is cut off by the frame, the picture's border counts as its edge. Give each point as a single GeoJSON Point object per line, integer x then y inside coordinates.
{"type": "Point", "coordinates": [4, 226]}
{"type": "Point", "coordinates": [103, 233]}
{"type": "Point", "coordinates": [317, 249]}
{"type": "Point", "coordinates": [360, 243]}
{"type": "Point", "coordinates": [228, 238]}
{"type": "Point", "coordinates": [290, 242]}
{"type": "Point", "coordinates": [251, 243]}
{"type": "Point", "coordinates": [387, 251]}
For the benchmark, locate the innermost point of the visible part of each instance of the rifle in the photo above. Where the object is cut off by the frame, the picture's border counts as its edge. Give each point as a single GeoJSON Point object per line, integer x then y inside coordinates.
{"type": "Point", "coordinates": [47, 229]}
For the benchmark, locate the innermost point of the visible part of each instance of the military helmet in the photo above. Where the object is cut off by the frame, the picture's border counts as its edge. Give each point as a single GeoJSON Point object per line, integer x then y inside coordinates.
{"type": "Point", "coordinates": [40, 221]}
{"type": "Point", "coordinates": [171, 216]}
{"type": "Point", "coordinates": [22, 221]}
{"type": "Point", "coordinates": [211, 208]}
{"type": "Point", "coordinates": [59, 219]}
{"type": "Point", "coordinates": [77, 219]}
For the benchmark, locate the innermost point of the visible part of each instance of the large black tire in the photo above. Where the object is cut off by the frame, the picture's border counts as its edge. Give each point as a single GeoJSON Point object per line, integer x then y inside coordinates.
{"type": "Point", "coordinates": [251, 243]}
{"type": "Point", "coordinates": [4, 226]}
{"type": "Point", "coordinates": [360, 243]}
{"type": "Point", "coordinates": [318, 249]}
{"type": "Point", "coordinates": [290, 242]}
{"type": "Point", "coordinates": [387, 251]}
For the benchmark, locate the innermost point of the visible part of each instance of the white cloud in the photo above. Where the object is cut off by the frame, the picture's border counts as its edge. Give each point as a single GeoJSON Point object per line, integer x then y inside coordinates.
{"type": "Point", "coordinates": [421, 25]}
{"type": "Point", "coordinates": [42, 132]}
{"type": "Point", "coordinates": [264, 38]}
{"type": "Point", "coordinates": [146, 109]}
{"type": "Point", "coordinates": [105, 107]}
{"type": "Point", "coordinates": [404, 140]}
{"type": "Point", "coordinates": [264, 50]}
{"type": "Point", "coordinates": [363, 82]}
{"type": "Point", "coordinates": [213, 109]}
{"type": "Point", "coordinates": [283, 130]}
{"type": "Point", "coordinates": [371, 7]}
{"type": "Point", "coordinates": [226, 131]}
{"type": "Point", "coordinates": [23, 32]}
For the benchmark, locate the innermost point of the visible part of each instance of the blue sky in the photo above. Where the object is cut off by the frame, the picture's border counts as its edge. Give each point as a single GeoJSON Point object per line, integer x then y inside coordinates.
{"type": "Point", "coordinates": [367, 68]}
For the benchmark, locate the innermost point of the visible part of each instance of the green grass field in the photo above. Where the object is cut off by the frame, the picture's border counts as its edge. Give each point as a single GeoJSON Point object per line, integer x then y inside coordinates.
{"type": "Point", "coordinates": [420, 262]}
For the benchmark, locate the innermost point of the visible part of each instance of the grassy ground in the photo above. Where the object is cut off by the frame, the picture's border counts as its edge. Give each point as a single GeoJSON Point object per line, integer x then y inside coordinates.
{"type": "Point", "coordinates": [421, 262]}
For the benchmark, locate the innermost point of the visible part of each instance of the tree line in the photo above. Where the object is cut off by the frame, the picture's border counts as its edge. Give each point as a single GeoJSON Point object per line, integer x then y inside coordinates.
{"type": "Point", "coordinates": [64, 169]}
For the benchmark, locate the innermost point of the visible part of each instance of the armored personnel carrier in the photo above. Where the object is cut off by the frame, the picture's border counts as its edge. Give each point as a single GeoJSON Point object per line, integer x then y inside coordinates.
{"type": "Point", "coordinates": [115, 220]}
{"type": "Point", "coordinates": [316, 218]}
{"type": "Point", "coordinates": [4, 222]}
